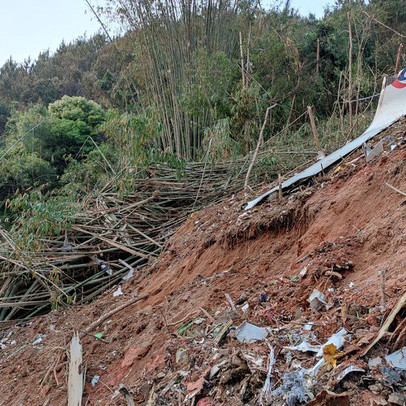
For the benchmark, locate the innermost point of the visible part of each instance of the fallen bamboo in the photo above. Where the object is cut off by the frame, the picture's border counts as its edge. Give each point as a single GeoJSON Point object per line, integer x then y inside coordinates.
{"type": "Point", "coordinates": [103, 318]}
{"type": "Point", "coordinates": [76, 373]}
{"type": "Point", "coordinates": [385, 327]}
{"type": "Point", "coordinates": [122, 231]}
{"type": "Point", "coordinates": [395, 189]}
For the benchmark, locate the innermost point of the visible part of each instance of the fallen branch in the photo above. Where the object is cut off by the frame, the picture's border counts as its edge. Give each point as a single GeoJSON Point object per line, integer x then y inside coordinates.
{"type": "Point", "coordinates": [388, 322]}
{"type": "Point", "coordinates": [112, 312]}
{"type": "Point", "coordinates": [395, 189]}
{"type": "Point", "coordinates": [260, 139]}
{"type": "Point", "coordinates": [113, 243]}
{"type": "Point", "coordinates": [384, 25]}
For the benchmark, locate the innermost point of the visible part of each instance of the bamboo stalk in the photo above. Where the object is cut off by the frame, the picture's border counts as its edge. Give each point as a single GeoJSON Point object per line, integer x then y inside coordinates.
{"type": "Point", "coordinates": [242, 61]}
{"type": "Point", "coordinates": [350, 67]}
{"type": "Point", "coordinates": [398, 58]}
{"type": "Point", "coordinates": [111, 313]}
{"type": "Point", "coordinates": [314, 130]}
{"type": "Point", "coordinates": [260, 139]}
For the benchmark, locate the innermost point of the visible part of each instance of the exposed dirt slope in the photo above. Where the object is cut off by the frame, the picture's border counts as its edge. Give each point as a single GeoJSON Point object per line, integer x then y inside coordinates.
{"type": "Point", "coordinates": [339, 234]}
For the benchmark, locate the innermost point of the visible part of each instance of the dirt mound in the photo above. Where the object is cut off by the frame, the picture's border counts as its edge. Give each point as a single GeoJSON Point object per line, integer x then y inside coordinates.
{"type": "Point", "coordinates": [341, 239]}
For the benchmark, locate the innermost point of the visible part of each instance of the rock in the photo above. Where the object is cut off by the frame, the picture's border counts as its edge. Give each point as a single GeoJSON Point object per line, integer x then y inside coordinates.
{"type": "Point", "coordinates": [129, 357]}
{"type": "Point", "coordinates": [196, 386]}
{"type": "Point", "coordinates": [397, 399]}
{"type": "Point", "coordinates": [181, 356]}
{"type": "Point", "coordinates": [205, 402]}
{"type": "Point", "coordinates": [372, 320]}
{"type": "Point", "coordinates": [376, 388]}
{"type": "Point", "coordinates": [378, 401]}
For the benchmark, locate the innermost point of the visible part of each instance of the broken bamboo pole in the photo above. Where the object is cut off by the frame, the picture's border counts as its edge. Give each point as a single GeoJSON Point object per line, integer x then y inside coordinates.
{"type": "Point", "coordinates": [314, 131]}
{"type": "Point", "coordinates": [398, 58]}
{"type": "Point", "coordinates": [103, 318]}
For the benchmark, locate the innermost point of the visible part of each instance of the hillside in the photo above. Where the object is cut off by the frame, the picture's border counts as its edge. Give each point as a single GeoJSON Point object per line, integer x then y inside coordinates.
{"type": "Point", "coordinates": [179, 343]}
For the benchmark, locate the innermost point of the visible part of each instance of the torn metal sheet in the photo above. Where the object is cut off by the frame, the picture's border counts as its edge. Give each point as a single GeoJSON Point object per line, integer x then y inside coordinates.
{"type": "Point", "coordinates": [348, 370]}
{"type": "Point", "coordinates": [397, 359]}
{"type": "Point", "coordinates": [337, 339]}
{"type": "Point", "coordinates": [391, 106]}
{"type": "Point", "coordinates": [304, 347]}
{"type": "Point", "coordinates": [317, 300]}
{"type": "Point", "coordinates": [374, 153]}
{"type": "Point", "coordinates": [248, 333]}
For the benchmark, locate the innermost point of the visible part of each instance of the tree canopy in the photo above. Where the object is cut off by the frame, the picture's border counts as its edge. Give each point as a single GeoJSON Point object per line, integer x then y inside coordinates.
{"type": "Point", "coordinates": [190, 79]}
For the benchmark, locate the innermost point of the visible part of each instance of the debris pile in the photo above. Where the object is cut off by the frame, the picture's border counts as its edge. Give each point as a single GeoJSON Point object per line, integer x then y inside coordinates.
{"type": "Point", "coordinates": [256, 357]}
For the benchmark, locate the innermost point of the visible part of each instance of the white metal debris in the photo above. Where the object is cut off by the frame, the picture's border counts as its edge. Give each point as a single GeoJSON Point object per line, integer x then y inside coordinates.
{"type": "Point", "coordinates": [247, 333]}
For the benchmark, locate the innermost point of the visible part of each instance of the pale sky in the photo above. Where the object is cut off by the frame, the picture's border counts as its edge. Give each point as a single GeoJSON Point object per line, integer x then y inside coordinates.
{"type": "Point", "coordinates": [311, 6]}
{"type": "Point", "coordinates": [28, 27]}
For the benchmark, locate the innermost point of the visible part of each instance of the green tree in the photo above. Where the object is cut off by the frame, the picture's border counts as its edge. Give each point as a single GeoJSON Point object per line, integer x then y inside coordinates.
{"type": "Point", "coordinates": [40, 143]}
{"type": "Point", "coordinates": [4, 115]}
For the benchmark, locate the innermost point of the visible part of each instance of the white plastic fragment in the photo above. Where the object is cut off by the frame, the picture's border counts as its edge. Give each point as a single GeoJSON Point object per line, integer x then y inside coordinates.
{"type": "Point", "coordinates": [245, 308]}
{"type": "Point", "coordinates": [38, 339]}
{"type": "Point", "coordinates": [216, 369]}
{"type": "Point", "coordinates": [247, 333]}
{"type": "Point", "coordinates": [303, 272]}
{"type": "Point", "coordinates": [375, 152]}
{"type": "Point", "coordinates": [397, 359]}
{"type": "Point", "coordinates": [308, 327]}
{"type": "Point", "coordinates": [118, 292]}
{"type": "Point", "coordinates": [338, 340]}
{"type": "Point", "coordinates": [256, 361]}
{"type": "Point", "coordinates": [106, 268]}
{"type": "Point", "coordinates": [199, 320]}
{"type": "Point", "coordinates": [231, 302]}
{"type": "Point", "coordinates": [373, 362]}
{"type": "Point", "coordinates": [317, 300]}
{"type": "Point", "coordinates": [313, 371]}
{"type": "Point", "coordinates": [316, 294]}
{"type": "Point", "coordinates": [129, 275]}
{"type": "Point", "coordinates": [95, 380]}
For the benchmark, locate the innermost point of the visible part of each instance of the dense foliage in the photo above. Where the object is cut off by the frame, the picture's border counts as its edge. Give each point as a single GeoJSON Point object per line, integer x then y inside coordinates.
{"type": "Point", "coordinates": [188, 81]}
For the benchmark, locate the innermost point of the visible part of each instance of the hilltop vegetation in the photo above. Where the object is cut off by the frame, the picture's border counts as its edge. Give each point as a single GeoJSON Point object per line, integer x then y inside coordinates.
{"type": "Point", "coordinates": [186, 82]}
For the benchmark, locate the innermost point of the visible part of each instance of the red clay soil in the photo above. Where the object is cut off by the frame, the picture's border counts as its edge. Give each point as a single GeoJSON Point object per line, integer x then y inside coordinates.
{"type": "Point", "coordinates": [336, 236]}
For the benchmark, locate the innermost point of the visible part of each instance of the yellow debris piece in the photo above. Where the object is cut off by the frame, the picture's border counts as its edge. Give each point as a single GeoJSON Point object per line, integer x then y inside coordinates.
{"type": "Point", "coordinates": [331, 355]}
